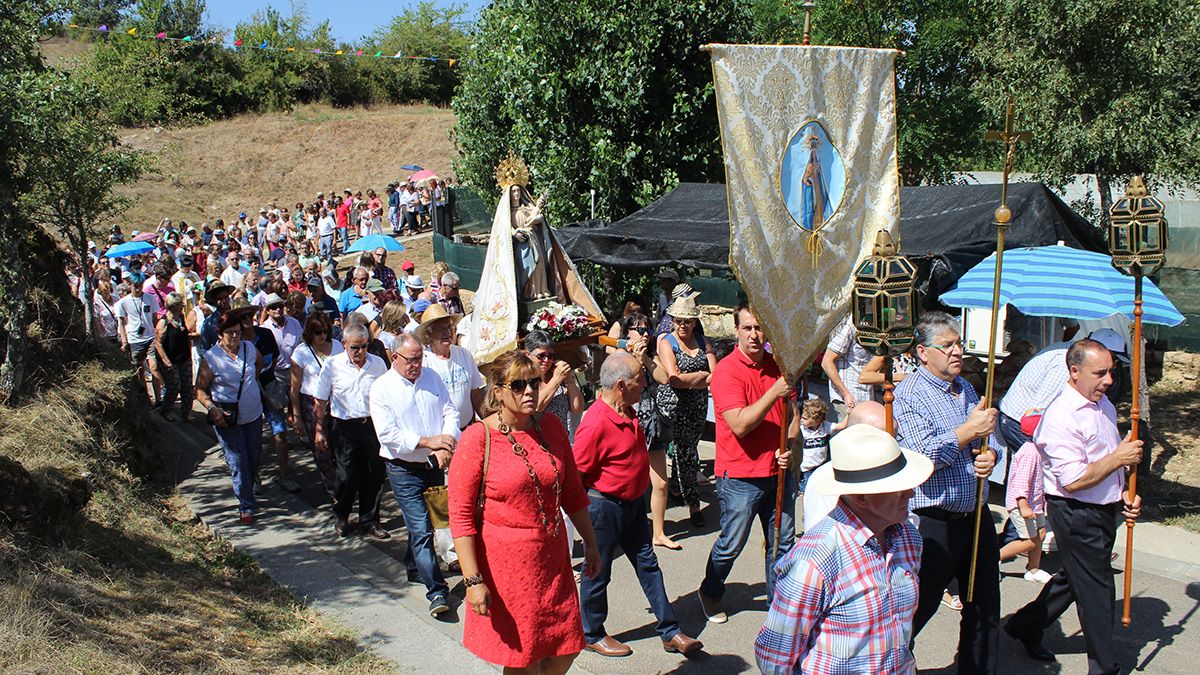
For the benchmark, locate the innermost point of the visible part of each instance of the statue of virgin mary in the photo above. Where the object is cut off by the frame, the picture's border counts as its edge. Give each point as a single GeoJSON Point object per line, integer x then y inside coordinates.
{"type": "Point", "coordinates": [814, 193]}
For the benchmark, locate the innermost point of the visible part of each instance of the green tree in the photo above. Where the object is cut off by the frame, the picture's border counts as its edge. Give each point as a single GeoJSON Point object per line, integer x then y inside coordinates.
{"type": "Point", "coordinates": [939, 117]}
{"type": "Point", "coordinates": [1107, 87]}
{"type": "Point", "coordinates": [94, 13]}
{"type": "Point", "coordinates": [605, 94]}
{"type": "Point", "coordinates": [77, 163]}
{"type": "Point", "coordinates": [424, 30]}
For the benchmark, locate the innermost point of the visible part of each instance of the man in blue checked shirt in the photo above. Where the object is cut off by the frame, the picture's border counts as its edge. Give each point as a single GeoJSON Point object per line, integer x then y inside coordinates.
{"type": "Point", "coordinates": [939, 415]}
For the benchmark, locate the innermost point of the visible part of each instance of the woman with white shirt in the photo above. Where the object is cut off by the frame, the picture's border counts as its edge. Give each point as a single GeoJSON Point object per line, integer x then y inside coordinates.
{"type": "Point", "coordinates": [227, 386]}
{"type": "Point", "coordinates": [309, 357]}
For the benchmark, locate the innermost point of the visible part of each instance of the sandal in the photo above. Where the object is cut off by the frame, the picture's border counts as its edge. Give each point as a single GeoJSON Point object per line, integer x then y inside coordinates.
{"type": "Point", "coordinates": [952, 602]}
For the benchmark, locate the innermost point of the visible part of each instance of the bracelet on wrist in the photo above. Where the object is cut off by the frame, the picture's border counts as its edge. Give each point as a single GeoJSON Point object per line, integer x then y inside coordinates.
{"type": "Point", "coordinates": [473, 580]}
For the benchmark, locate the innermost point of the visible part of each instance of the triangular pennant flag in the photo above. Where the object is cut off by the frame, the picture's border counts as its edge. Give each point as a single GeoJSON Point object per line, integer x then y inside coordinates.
{"type": "Point", "coordinates": [398, 55]}
{"type": "Point", "coordinates": [452, 62]}
{"type": "Point", "coordinates": [161, 36]}
{"type": "Point", "coordinates": [291, 49]}
{"type": "Point", "coordinates": [132, 31]}
{"type": "Point", "coordinates": [378, 54]}
{"type": "Point", "coordinates": [338, 52]}
{"type": "Point", "coordinates": [263, 45]}
{"type": "Point", "coordinates": [72, 25]}
{"type": "Point", "coordinates": [187, 38]}
{"type": "Point", "coordinates": [103, 28]}
{"type": "Point", "coordinates": [358, 53]}
{"type": "Point", "coordinates": [237, 42]}
{"type": "Point", "coordinates": [316, 51]}
{"type": "Point", "coordinates": [433, 58]}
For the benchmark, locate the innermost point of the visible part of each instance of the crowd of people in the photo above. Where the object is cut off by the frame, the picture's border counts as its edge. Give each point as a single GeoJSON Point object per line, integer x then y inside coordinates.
{"type": "Point", "coordinates": [498, 470]}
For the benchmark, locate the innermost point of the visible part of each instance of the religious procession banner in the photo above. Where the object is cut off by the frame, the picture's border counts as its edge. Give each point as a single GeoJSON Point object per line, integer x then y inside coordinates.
{"type": "Point", "coordinates": [809, 137]}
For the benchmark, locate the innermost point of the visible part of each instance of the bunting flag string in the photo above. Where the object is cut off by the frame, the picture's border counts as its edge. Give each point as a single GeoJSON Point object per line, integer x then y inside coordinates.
{"type": "Point", "coordinates": [238, 45]}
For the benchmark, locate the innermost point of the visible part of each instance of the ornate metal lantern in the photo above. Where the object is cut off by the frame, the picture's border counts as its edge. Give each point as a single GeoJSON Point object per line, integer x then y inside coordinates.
{"type": "Point", "coordinates": [885, 300]}
{"type": "Point", "coordinates": [1137, 236]}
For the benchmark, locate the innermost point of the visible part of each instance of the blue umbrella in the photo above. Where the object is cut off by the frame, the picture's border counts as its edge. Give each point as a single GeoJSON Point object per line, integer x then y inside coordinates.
{"type": "Point", "coordinates": [128, 249]}
{"type": "Point", "coordinates": [412, 167]}
{"type": "Point", "coordinates": [374, 241]}
{"type": "Point", "coordinates": [1060, 281]}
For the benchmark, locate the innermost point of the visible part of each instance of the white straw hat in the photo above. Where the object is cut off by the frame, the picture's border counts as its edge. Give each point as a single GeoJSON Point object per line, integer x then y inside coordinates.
{"type": "Point", "coordinates": [684, 307]}
{"type": "Point", "coordinates": [866, 461]}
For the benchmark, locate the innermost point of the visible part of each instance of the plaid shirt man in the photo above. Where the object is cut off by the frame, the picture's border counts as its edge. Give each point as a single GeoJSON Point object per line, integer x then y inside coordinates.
{"type": "Point", "coordinates": [843, 604]}
{"type": "Point", "coordinates": [928, 410]}
{"type": "Point", "coordinates": [850, 364]}
{"type": "Point", "coordinates": [386, 276]}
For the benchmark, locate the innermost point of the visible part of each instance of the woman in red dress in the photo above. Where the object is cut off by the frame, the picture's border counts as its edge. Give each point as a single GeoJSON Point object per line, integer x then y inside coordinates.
{"type": "Point", "coordinates": [509, 532]}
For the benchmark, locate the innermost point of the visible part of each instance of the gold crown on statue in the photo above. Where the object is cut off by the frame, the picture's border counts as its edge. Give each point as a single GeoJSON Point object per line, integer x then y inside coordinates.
{"type": "Point", "coordinates": [512, 170]}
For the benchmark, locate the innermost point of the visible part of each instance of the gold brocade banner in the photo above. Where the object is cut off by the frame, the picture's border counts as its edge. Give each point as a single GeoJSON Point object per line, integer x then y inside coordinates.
{"type": "Point", "coordinates": [809, 136]}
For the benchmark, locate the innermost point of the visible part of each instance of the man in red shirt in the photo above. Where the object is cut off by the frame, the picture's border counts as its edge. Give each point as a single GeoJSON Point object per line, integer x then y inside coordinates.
{"type": "Point", "coordinates": [749, 396]}
{"type": "Point", "coordinates": [343, 218]}
{"type": "Point", "coordinates": [610, 453]}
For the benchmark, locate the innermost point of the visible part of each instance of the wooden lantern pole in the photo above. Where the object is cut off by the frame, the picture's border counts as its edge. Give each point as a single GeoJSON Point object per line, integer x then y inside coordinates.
{"type": "Point", "coordinates": [1135, 414]}
{"type": "Point", "coordinates": [780, 479]}
{"type": "Point", "coordinates": [808, 9]}
{"type": "Point", "coordinates": [888, 394]}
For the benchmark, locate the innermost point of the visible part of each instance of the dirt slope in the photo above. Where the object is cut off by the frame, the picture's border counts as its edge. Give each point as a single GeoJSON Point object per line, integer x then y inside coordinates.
{"type": "Point", "coordinates": [218, 169]}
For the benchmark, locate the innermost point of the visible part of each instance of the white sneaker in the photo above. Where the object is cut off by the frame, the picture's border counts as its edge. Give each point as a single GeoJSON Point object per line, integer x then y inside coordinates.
{"type": "Point", "coordinates": [1037, 576]}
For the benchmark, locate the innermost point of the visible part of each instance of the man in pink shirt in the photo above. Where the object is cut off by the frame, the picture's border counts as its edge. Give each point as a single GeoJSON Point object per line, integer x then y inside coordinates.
{"type": "Point", "coordinates": [1085, 461]}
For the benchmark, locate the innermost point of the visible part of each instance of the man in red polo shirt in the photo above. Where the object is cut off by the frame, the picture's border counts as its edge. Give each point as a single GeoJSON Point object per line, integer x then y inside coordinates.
{"type": "Point", "coordinates": [749, 396]}
{"type": "Point", "coordinates": [610, 453]}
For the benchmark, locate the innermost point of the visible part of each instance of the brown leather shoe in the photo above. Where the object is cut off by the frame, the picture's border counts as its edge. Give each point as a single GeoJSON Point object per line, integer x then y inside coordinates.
{"type": "Point", "coordinates": [377, 532]}
{"type": "Point", "coordinates": [682, 644]}
{"type": "Point", "coordinates": [610, 646]}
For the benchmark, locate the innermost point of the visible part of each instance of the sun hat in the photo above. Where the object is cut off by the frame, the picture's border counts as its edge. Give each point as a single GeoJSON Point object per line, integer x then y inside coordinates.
{"type": "Point", "coordinates": [865, 460]}
{"type": "Point", "coordinates": [1112, 341]}
{"type": "Point", "coordinates": [684, 307]}
{"type": "Point", "coordinates": [669, 274]}
{"type": "Point", "coordinates": [242, 214]}
{"type": "Point", "coordinates": [234, 317]}
{"type": "Point", "coordinates": [435, 312]}
{"type": "Point", "coordinates": [414, 281]}
{"type": "Point", "coordinates": [216, 290]}
{"type": "Point", "coordinates": [408, 265]}
{"type": "Point", "coordinates": [375, 286]}
{"type": "Point", "coordinates": [683, 289]}
{"type": "Point", "coordinates": [314, 280]}
{"type": "Point", "coordinates": [187, 261]}
{"type": "Point", "coordinates": [420, 306]}
{"type": "Point", "coordinates": [272, 299]}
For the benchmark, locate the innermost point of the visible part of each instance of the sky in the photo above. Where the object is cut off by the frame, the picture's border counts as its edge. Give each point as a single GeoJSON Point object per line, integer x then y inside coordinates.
{"type": "Point", "coordinates": [351, 19]}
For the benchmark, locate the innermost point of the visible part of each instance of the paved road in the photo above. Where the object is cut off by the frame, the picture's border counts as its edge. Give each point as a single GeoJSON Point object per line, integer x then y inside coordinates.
{"type": "Point", "coordinates": [359, 583]}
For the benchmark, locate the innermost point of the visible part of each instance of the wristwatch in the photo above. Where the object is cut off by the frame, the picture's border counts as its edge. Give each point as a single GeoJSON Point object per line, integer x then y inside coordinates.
{"type": "Point", "coordinates": [473, 580]}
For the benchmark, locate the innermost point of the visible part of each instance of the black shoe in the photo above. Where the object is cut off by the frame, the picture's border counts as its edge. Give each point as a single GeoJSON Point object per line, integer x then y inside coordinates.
{"type": "Point", "coordinates": [1033, 646]}
{"type": "Point", "coordinates": [698, 519]}
{"type": "Point", "coordinates": [341, 526]}
{"type": "Point", "coordinates": [438, 606]}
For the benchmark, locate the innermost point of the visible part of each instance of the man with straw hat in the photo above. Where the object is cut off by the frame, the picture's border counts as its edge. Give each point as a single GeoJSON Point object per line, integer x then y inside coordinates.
{"type": "Point", "coordinates": [452, 363]}
{"type": "Point", "coordinates": [845, 595]}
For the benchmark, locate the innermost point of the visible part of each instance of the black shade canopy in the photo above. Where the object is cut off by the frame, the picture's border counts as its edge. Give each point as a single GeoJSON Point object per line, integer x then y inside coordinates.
{"type": "Point", "coordinates": [944, 229]}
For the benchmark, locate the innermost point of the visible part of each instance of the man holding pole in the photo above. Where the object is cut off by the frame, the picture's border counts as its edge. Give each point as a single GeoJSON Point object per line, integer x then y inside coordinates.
{"type": "Point", "coordinates": [939, 415]}
{"type": "Point", "coordinates": [1085, 461]}
{"type": "Point", "coordinates": [750, 398]}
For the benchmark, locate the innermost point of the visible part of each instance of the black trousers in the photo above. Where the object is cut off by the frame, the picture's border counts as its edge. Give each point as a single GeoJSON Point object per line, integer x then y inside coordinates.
{"type": "Point", "coordinates": [947, 555]}
{"type": "Point", "coordinates": [360, 470]}
{"type": "Point", "coordinates": [1085, 534]}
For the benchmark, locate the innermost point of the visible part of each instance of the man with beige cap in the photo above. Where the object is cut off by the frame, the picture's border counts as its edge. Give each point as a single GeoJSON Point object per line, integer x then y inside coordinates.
{"type": "Point", "coordinates": [846, 594]}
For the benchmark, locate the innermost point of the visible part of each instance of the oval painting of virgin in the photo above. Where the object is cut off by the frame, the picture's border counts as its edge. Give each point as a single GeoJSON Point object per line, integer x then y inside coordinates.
{"type": "Point", "coordinates": [812, 178]}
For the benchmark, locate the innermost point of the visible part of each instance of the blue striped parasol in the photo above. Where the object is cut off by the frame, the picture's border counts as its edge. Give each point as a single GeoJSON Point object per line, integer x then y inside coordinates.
{"type": "Point", "coordinates": [1060, 281]}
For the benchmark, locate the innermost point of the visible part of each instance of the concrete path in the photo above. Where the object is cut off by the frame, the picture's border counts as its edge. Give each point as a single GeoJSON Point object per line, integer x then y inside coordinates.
{"type": "Point", "coordinates": [361, 585]}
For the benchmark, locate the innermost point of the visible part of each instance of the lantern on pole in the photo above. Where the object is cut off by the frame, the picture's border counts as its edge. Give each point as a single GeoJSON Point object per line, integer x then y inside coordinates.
{"type": "Point", "coordinates": [884, 306]}
{"type": "Point", "coordinates": [1137, 238]}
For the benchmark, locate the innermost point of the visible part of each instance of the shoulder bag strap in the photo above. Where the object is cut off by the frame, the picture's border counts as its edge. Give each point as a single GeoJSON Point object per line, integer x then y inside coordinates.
{"type": "Point", "coordinates": [487, 455]}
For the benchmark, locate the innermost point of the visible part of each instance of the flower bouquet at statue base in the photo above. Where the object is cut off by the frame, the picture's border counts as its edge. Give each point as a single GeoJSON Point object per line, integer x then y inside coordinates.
{"type": "Point", "coordinates": [569, 327]}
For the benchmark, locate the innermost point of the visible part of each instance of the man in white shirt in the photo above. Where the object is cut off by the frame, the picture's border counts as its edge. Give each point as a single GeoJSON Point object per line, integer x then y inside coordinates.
{"type": "Point", "coordinates": [417, 425]}
{"type": "Point", "coordinates": [135, 323]}
{"type": "Point", "coordinates": [233, 272]}
{"type": "Point", "coordinates": [325, 227]}
{"type": "Point", "coordinates": [342, 392]}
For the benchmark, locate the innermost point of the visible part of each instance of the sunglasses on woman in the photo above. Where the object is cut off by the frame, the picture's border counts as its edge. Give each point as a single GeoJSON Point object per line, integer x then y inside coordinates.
{"type": "Point", "coordinates": [521, 385]}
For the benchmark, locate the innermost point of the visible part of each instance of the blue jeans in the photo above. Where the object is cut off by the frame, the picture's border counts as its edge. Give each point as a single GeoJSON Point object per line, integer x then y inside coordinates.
{"type": "Point", "coordinates": [345, 238]}
{"type": "Point", "coordinates": [326, 248]}
{"type": "Point", "coordinates": [408, 484]}
{"type": "Point", "coordinates": [618, 522]}
{"type": "Point", "coordinates": [742, 500]}
{"type": "Point", "coordinates": [242, 444]}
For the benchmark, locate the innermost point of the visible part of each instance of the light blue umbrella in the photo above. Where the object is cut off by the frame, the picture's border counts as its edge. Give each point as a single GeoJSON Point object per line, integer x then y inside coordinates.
{"type": "Point", "coordinates": [128, 249]}
{"type": "Point", "coordinates": [411, 167]}
{"type": "Point", "coordinates": [1060, 281]}
{"type": "Point", "coordinates": [374, 241]}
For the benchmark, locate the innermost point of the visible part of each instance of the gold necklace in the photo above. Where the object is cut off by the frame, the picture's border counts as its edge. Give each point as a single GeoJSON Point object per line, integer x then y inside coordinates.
{"type": "Point", "coordinates": [520, 451]}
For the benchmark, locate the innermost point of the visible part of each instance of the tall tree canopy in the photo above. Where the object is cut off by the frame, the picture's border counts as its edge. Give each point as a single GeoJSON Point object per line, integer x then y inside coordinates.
{"type": "Point", "coordinates": [605, 94]}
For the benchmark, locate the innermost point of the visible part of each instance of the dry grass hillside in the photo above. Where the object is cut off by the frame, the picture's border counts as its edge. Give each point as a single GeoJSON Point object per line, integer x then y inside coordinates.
{"type": "Point", "coordinates": [218, 169]}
